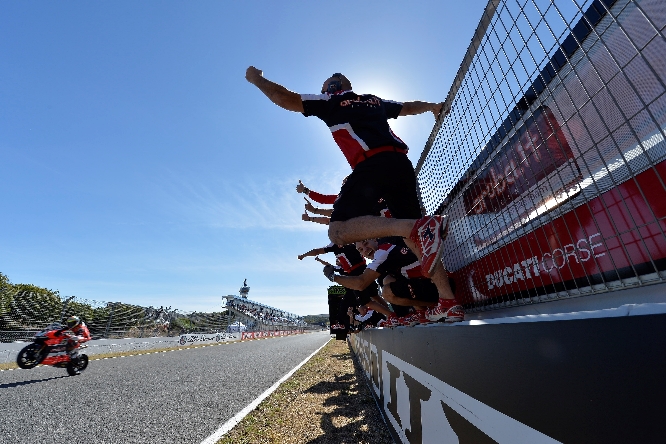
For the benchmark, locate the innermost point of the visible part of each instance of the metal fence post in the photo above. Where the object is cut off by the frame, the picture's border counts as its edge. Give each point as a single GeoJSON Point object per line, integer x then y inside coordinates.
{"type": "Point", "coordinates": [64, 308]}
{"type": "Point", "coordinates": [108, 323]}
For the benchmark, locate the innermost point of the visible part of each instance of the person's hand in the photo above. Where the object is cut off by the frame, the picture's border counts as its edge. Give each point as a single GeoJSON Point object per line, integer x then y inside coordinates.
{"type": "Point", "coordinates": [329, 272]}
{"type": "Point", "coordinates": [252, 74]}
{"type": "Point", "coordinates": [309, 207]}
{"type": "Point", "coordinates": [305, 217]}
{"type": "Point", "coordinates": [300, 188]}
{"type": "Point", "coordinates": [300, 257]}
{"type": "Point", "coordinates": [439, 111]}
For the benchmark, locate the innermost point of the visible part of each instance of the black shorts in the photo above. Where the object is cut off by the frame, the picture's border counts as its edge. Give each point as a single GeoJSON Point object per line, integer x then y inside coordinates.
{"type": "Point", "coordinates": [401, 310]}
{"type": "Point", "coordinates": [363, 296]}
{"type": "Point", "coordinates": [372, 320]}
{"type": "Point", "coordinates": [389, 175]}
{"type": "Point", "coordinates": [415, 289]}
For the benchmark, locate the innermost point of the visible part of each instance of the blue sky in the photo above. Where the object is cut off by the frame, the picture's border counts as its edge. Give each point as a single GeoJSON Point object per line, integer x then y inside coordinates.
{"type": "Point", "coordinates": [139, 166]}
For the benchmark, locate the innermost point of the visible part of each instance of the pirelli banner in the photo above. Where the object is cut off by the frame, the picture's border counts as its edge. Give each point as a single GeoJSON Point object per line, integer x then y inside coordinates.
{"type": "Point", "coordinates": [551, 163]}
{"type": "Point", "coordinates": [587, 380]}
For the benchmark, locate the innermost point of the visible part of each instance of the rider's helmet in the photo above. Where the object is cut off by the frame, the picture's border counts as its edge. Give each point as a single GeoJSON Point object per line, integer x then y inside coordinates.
{"type": "Point", "coordinates": [73, 321]}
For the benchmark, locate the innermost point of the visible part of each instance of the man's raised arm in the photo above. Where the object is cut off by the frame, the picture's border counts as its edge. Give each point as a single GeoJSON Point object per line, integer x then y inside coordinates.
{"type": "Point", "coordinates": [416, 107]}
{"type": "Point", "coordinates": [359, 282]}
{"type": "Point", "coordinates": [278, 94]}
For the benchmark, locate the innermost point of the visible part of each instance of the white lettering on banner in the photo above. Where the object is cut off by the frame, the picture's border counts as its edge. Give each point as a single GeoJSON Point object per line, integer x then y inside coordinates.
{"type": "Point", "coordinates": [369, 358]}
{"type": "Point", "coordinates": [267, 334]}
{"type": "Point", "coordinates": [432, 394]}
{"type": "Point", "coordinates": [582, 251]}
{"type": "Point", "coordinates": [216, 337]}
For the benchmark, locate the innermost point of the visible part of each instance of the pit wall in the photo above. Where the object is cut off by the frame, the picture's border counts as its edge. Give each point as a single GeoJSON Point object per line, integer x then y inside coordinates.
{"type": "Point", "coordinates": [550, 168]}
{"type": "Point", "coordinates": [579, 377]}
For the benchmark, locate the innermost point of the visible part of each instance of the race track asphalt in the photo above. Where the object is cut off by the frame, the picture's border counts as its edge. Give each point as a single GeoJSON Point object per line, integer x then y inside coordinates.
{"type": "Point", "coordinates": [173, 397]}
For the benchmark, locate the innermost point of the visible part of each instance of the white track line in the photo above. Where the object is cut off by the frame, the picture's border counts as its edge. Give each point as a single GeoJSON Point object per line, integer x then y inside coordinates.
{"type": "Point", "coordinates": [227, 426]}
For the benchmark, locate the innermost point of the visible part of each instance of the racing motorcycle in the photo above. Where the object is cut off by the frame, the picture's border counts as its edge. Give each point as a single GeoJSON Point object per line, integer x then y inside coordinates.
{"type": "Point", "coordinates": [49, 348]}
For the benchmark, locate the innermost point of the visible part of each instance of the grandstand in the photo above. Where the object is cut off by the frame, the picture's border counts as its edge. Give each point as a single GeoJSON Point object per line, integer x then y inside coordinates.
{"type": "Point", "coordinates": [258, 316]}
{"type": "Point", "coordinates": [261, 317]}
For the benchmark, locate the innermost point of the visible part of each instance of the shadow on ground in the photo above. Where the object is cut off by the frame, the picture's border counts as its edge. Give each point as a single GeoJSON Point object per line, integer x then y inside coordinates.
{"type": "Point", "coordinates": [350, 396]}
{"type": "Point", "coordinates": [32, 381]}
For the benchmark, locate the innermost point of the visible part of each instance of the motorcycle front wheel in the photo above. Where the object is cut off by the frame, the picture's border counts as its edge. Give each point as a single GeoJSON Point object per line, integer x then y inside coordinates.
{"type": "Point", "coordinates": [30, 356]}
{"type": "Point", "coordinates": [74, 368]}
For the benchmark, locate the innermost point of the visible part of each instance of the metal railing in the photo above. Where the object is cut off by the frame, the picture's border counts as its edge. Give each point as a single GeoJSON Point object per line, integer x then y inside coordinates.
{"type": "Point", "coordinates": [24, 313]}
{"type": "Point", "coordinates": [263, 316]}
{"type": "Point", "coordinates": [550, 164]}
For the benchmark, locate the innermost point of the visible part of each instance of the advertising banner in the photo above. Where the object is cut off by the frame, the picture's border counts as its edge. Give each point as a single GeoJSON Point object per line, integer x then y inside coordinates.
{"type": "Point", "coordinates": [615, 236]}
{"type": "Point", "coordinates": [575, 381]}
{"type": "Point", "coordinates": [189, 339]}
{"type": "Point", "coordinates": [569, 192]}
{"type": "Point", "coordinates": [535, 166]}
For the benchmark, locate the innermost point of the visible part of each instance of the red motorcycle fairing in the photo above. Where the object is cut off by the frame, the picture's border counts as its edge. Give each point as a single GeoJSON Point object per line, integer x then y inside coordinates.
{"type": "Point", "coordinates": [49, 347]}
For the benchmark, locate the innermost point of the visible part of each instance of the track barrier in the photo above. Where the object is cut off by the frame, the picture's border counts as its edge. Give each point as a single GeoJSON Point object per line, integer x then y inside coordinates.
{"type": "Point", "coordinates": [551, 162]}
{"type": "Point", "coordinates": [550, 166]}
{"type": "Point", "coordinates": [521, 381]}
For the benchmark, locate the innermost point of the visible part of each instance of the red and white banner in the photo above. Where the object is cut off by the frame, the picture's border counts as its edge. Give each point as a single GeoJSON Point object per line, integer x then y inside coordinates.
{"type": "Point", "coordinates": [619, 234]}
{"type": "Point", "coordinates": [189, 339]}
{"type": "Point", "coordinates": [267, 334]}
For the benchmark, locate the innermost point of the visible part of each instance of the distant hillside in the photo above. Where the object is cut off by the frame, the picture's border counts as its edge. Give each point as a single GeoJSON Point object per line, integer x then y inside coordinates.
{"type": "Point", "coordinates": [316, 319]}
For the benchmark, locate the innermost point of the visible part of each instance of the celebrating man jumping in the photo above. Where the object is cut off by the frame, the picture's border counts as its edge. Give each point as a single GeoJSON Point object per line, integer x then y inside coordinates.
{"type": "Point", "coordinates": [381, 168]}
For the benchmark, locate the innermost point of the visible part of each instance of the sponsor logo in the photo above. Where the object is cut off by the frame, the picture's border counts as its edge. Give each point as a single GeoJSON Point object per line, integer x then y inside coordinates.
{"type": "Point", "coordinates": [581, 251]}
{"type": "Point", "coordinates": [418, 405]}
{"type": "Point", "coordinates": [536, 150]}
{"type": "Point", "coordinates": [217, 337]}
{"type": "Point", "coordinates": [336, 289]}
{"type": "Point", "coordinates": [372, 101]}
{"type": "Point", "coordinates": [427, 235]}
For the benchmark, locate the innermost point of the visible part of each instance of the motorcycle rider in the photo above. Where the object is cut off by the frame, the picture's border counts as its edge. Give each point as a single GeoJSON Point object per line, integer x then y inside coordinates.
{"type": "Point", "coordinates": [80, 335]}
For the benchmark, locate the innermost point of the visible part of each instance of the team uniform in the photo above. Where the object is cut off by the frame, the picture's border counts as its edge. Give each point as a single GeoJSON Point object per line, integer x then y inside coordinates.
{"type": "Point", "coordinates": [348, 258]}
{"type": "Point", "coordinates": [398, 261]}
{"type": "Point", "coordinates": [81, 334]}
{"type": "Point", "coordinates": [380, 209]}
{"type": "Point", "coordinates": [351, 263]}
{"type": "Point", "coordinates": [370, 319]}
{"type": "Point", "coordinates": [326, 199]}
{"type": "Point", "coordinates": [381, 169]}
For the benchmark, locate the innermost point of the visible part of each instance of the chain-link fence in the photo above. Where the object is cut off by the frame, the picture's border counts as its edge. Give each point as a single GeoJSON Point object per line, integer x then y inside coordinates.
{"type": "Point", "coordinates": [24, 313]}
{"type": "Point", "coordinates": [550, 164]}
